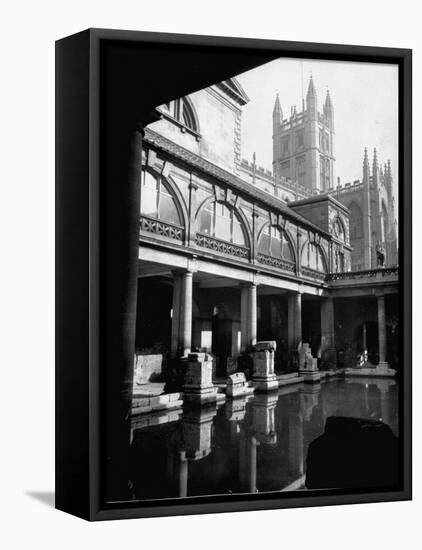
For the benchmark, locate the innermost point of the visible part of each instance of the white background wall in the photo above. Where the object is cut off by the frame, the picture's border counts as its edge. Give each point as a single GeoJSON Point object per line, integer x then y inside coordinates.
{"type": "Point", "coordinates": [26, 289]}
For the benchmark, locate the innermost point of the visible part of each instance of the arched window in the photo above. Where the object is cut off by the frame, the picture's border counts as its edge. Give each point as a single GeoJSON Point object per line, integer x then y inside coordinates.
{"type": "Point", "coordinates": [338, 229]}
{"type": "Point", "coordinates": [182, 111]}
{"type": "Point", "coordinates": [313, 257]}
{"type": "Point", "coordinates": [356, 222]}
{"type": "Point", "coordinates": [274, 242]}
{"type": "Point", "coordinates": [221, 222]}
{"type": "Point", "coordinates": [157, 200]}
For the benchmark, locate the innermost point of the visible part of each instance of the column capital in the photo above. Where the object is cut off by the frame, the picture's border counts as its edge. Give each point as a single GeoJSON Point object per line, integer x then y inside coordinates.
{"type": "Point", "coordinates": [248, 284]}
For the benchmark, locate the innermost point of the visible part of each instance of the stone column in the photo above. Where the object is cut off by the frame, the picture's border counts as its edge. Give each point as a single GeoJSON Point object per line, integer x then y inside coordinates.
{"type": "Point", "coordinates": [294, 320]}
{"type": "Point", "coordinates": [290, 322]}
{"type": "Point", "coordinates": [248, 316]}
{"type": "Point", "coordinates": [252, 320]}
{"type": "Point", "coordinates": [328, 351]}
{"type": "Point", "coordinates": [175, 321]}
{"type": "Point", "coordinates": [244, 314]}
{"type": "Point", "coordinates": [298, 317]}
{"type": "Point", "coordinates": [186, 313]}
{"type": "Point", "coordinates": [382, 338]}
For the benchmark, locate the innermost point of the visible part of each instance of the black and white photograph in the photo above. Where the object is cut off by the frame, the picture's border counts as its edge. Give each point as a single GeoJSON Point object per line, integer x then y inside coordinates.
{"type": "Point", "coordinates": [267, 348]}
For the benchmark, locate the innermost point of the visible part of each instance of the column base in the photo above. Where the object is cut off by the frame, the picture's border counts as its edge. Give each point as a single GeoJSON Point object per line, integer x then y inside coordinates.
{"type": "Point", "coordinates": [382, 370]}
{"type": "Point", "coordinates": [311, 375]}
{"type": "Point", "coordinates": [329, 359]}
{"type": "Point", "coordinates": [203, 396]}
{"type": "Point", "coordinates": [269, 383]}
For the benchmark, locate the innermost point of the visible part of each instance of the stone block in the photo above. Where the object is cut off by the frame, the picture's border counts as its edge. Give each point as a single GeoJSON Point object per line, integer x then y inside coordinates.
{"type": "Point", "coordinates": [147, 368]}
{"type": "Point", "coordinates": [267, 345]}
{"type": "Point", "coordinates": [160, 400]}
{"type": "Point", "coordinates": [198, 372]}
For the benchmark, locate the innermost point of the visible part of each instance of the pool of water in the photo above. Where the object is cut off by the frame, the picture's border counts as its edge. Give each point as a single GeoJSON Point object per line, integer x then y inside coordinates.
{"type": "Point", "coordinates": [248, 445]}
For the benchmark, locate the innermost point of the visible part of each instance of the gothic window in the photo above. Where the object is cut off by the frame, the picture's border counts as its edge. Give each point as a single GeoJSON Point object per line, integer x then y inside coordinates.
{"type": "Point", "coordinates": [322, 171]}
{"type": "Point", "coordinates": [157, 200]}
{"type": "Point", "coordinates": [221, 222]}
{"type": "Point", "coordinates": [285, 145]}
{"type": "Point", "coordinates": [356, 222]}
{"type": "Point", "coordinates": [300, 139]}
{"type": "Point", "coordinates": [274, 242]}
{"type": "Point", "coordinates": [285, 168]}
{"type": "Point", "coordinates": [301, 170]}
{"type": "Point", "coordinates": [338, 229]}
{"type": "Point", "coordinates": [182, 111]}
{"type": "Point", "coordinates": [340, 266]}
{"type": "Point", "coordinates": [313, 258]}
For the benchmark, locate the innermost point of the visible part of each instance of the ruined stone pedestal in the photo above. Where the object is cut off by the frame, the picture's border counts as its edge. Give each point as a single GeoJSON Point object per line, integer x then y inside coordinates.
{"type": "Point", "coordinates": [237, 386]}
{"type": "Point", "coordinates": [263, 375]}
{"type": "Point", "coordinates": [308, 365]}
{"type": "Point", "coordinates": [381, 370]}
{"type": "Point", "coordinates": [198, 388]}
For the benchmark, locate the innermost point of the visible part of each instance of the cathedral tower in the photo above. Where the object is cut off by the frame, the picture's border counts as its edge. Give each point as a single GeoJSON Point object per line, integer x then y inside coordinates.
{"type": "Point", "coordinates": [303, 144]}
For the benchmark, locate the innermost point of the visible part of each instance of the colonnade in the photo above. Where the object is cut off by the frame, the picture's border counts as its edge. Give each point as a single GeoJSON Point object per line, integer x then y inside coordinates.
{"type": "Point", "coordinates": [181, 337]}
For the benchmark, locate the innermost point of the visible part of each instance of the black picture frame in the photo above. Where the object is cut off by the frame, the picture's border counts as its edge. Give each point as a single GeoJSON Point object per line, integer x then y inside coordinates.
{"type": "Point", "coordinates": [99, 101]}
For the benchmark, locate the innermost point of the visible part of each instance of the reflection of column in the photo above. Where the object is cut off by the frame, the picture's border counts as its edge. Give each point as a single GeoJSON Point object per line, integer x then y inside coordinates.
{"type": "Point", "coordinates": [175, 322]}
{"type": "Point", "coordinates": [252, 314]}
{"type": "Point", "coordinates": [252, 458]}
{"type": "Point", "coordinates": [183, 475]}
{"type": "Point", "coordinates": [186, 313]}
{"type": "Point", "coordinates": [296, 458]}
{"type": "Point", "coordinates": [381, 330]}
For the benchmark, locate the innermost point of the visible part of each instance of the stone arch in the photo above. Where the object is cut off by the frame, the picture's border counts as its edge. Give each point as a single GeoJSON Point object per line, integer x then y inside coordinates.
{"type": "Point", "coordinates": [284, 231]}
{"type": "Point", "coordinates": [170, 184]}
{"type": "Point", "coordinates": [321, 250]}
{"type": "Point", "coordinates": [237, 211]}
{"type": "Point", "coordinates": [193, 116]}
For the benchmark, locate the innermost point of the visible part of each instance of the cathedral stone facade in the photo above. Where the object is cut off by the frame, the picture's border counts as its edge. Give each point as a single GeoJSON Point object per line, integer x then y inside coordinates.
{"type": "Point", "coordinates": [304, 177]}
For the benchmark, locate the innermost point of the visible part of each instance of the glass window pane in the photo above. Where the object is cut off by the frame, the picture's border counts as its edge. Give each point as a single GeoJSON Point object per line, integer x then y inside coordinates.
{"type": "Point", "coordinates": [205, 220]}
{"type": "Point", "coordinates": [321, 262]}
{"type": "Point", "coordinates": [264, 242]}
{"type": "Point", "coordinates": [287, 251]}
{"type": "Point", "coordinates": [238, 235]}
{"type": "Point", "coordinates": [167, 210]}
{"type": "Point", "coordinates": [275, 242]}
{"type": "Point", "coordinates": [312, 257]}
{"type": "Point", "coordinates": [149, 195]}
{"type": "Point", "coordinates": [222, 223]}
{"type": "Point", "coordinates": [149, 181]}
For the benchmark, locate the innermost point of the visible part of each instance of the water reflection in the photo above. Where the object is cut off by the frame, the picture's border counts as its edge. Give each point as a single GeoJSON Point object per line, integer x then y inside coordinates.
{"type": "Point", "coordinates": [252, 444]}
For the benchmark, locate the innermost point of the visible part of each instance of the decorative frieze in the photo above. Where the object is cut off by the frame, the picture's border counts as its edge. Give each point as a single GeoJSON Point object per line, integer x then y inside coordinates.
{"type": "Point", "coordinates": [313, 273]}
{"type": "Point", "coordinates": [162, 229]}
{"type": "Point", "coordinates": [279, 263]}
{"type": "Point", "coordinates": [216, 245]}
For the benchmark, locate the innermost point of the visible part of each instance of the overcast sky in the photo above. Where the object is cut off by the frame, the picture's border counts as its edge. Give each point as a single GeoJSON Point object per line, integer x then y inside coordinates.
{"type": "Point", "coordinates": [365, 100]}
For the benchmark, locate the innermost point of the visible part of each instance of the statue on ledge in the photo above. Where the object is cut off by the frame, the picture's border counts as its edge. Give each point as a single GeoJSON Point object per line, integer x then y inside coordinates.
{"type": "Point", "coordinates": [380, 255]}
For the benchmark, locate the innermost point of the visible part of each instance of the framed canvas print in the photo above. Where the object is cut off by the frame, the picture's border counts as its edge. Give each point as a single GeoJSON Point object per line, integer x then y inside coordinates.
{"type": "Point", "coordinates": [233, 274]}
